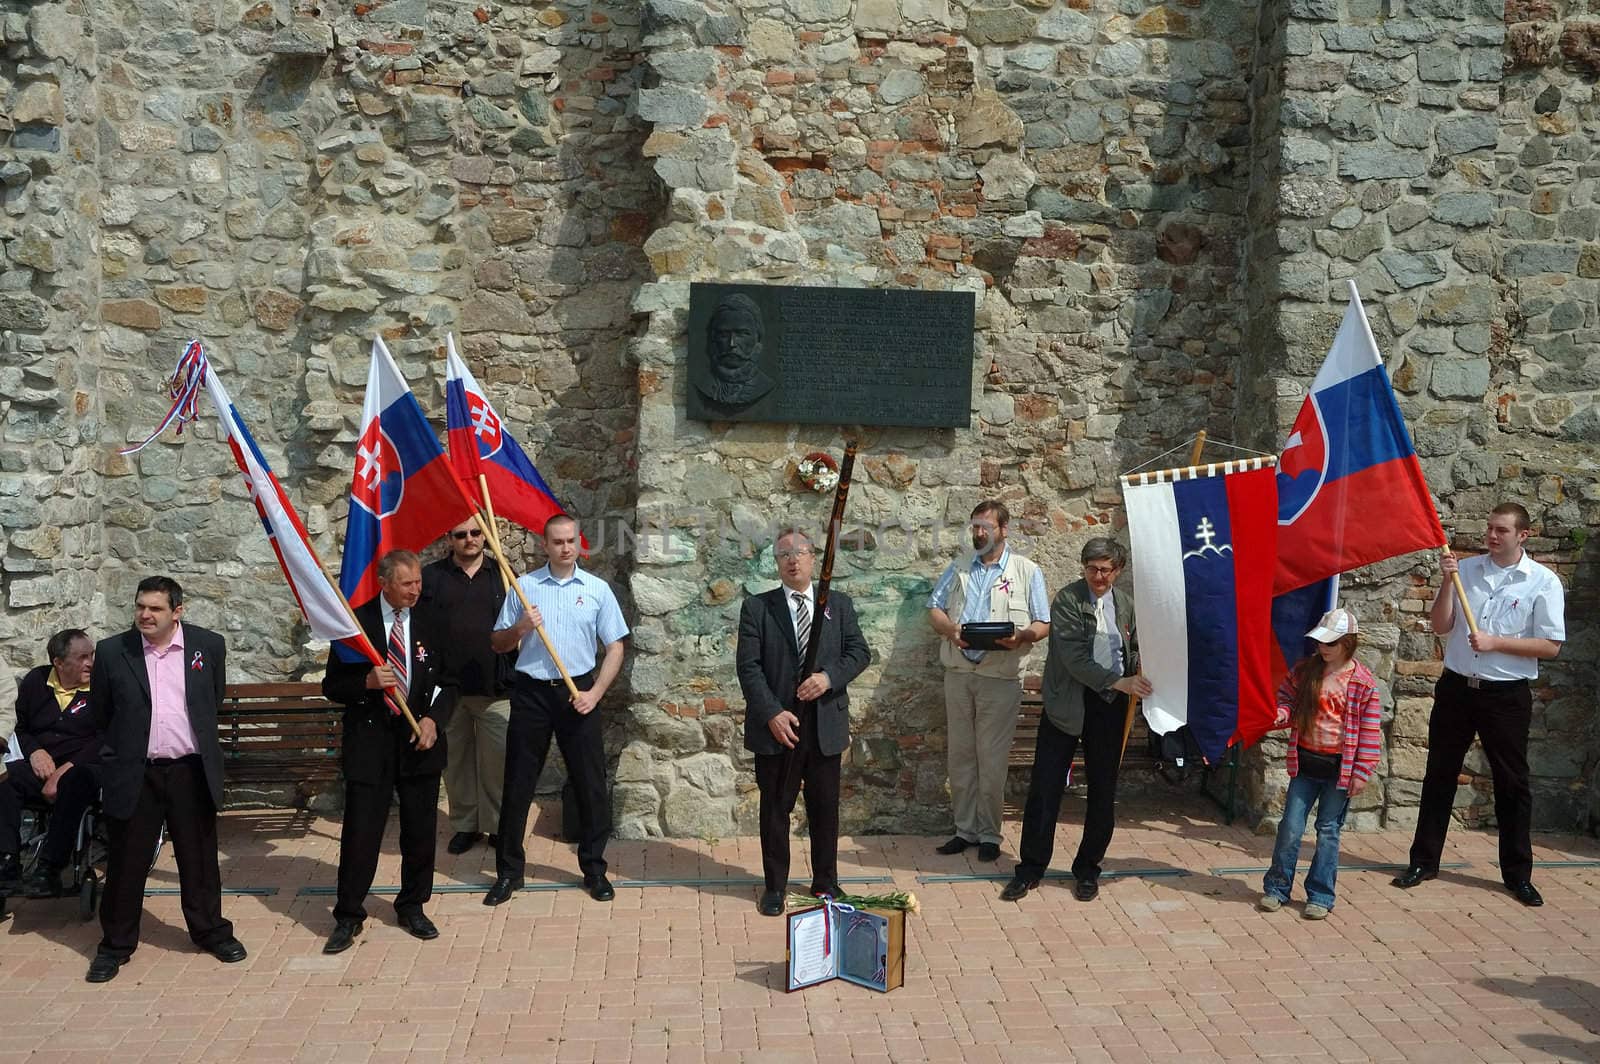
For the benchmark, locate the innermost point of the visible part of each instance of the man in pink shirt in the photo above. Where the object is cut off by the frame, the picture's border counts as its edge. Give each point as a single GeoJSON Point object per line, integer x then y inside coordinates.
{"type": "Point", "coordinates": [154, 693]}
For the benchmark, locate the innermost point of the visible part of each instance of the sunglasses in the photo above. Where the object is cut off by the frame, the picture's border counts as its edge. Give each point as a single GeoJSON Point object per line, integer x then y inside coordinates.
{"type": "Point", "coordinates": [473, 532]}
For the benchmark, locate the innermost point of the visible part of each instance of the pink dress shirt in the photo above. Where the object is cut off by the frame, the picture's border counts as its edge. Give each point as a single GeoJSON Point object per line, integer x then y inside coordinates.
{"type": "Point", "coordinates": [171, 734]}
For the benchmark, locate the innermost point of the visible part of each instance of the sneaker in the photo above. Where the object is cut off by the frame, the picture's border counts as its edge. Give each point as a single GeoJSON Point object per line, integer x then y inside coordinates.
{"type": "Point", "coordinates": [1269, 903]}
{"type": "Point", "coordinates": [1314, 911]}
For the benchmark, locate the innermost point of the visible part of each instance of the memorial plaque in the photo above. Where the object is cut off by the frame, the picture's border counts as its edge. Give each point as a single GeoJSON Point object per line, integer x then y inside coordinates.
{"type": "Point", "coordinates": [835, 356]}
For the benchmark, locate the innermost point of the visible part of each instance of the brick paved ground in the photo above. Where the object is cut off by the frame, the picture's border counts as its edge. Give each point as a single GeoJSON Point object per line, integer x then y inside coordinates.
{"type": "Point", "coordinates": [1160, 968]}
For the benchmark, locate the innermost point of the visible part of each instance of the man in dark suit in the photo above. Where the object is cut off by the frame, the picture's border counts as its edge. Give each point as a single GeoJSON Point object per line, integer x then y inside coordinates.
{"type": "Point", "coordinates": [381, 754]}
{"type": "Point", "coordinates": [798, 727]}
{"type": "Point", "coordinates": [154, 694]}
{"type": "Point", "coordinates": [1089, 675]}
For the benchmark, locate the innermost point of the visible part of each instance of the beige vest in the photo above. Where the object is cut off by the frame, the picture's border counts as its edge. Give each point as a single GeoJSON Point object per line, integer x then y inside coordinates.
{"type": "Point", "coordinates": [1008, 601]}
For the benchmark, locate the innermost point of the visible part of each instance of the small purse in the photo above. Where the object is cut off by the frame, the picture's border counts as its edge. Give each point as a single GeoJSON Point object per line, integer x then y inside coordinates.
{"type": "Point", "coordinates": [1318, 766]}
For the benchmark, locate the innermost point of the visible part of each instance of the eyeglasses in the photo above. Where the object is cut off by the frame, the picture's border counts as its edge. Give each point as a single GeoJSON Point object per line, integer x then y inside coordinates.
{"type": "Point", "coordinates": [785, 555]}
{"type": "Point", "coordinates": [1100, 570]}
{"type": "Point", "coordinates": [473, 532]}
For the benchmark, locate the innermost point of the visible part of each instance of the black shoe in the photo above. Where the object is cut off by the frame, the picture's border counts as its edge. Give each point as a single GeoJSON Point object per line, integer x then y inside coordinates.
{"type": "Point", "coordinates": [1018, 888]}
{"type": "Point", "coordinates": [954, 846]}
{"type": "Point", "coordinates": [10, 870]}
{"type": "Point", "coordinates": [988, 851]}
{"type": "Point", "coordinates": [832, 890]}
{"type": "Point", "coordinates": [771, 903]}
{"type": "Point", "coordinates": [502, 890]}
{"type": "Point", "coordinates": [418, 926]}
{"type": "Point", "coordinates": [43, 882]}
{"type": "Point", "coordinates": [343, 937]}
{"type": "Point", "coordinates": [1412, 876]}
{"type": "Point", "coordinates": [462, 841]}
{"type": "Point", "coordinates": [492, 841]}
{"type": "Point", "coordinates": [1086, 889]}
{"type": "Point", "coordinates": [104, 968]}
{"type": "Point", "coordinates": [1526, 893]}
{"type": "Point", "coordinates": [599, 888]}
{"type": "Point", "coordinates": [228, 951]}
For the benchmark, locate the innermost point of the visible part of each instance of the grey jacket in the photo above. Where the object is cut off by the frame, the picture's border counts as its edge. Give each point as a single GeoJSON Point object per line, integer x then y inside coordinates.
{"type": "Point", "coordinates": [1070, 666]}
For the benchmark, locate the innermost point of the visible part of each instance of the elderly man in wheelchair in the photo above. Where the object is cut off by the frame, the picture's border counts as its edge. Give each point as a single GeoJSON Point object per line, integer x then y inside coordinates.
{"type": "Point", "coordinates": [59, 770]}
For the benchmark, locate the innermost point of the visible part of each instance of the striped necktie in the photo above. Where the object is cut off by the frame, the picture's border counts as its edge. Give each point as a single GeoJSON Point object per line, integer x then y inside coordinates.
{"type": "Point", "coordinates": [802, 621]}
{"type": "Point", "coordinates": [397, 661]}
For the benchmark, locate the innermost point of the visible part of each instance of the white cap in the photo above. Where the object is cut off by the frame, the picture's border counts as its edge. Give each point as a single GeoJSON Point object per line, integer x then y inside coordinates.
{"type": "Point", "coordinates": [1334, 626]}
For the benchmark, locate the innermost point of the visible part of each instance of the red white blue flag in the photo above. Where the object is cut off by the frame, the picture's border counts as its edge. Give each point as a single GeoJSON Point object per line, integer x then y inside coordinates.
{"type": "Point", "coordinates": [403, 494]}
{"type": "Point", "coordinates": [1350, 488]}
{"type": "Point", "coordinates": [1202, 580]}
{"type": "Point", "coordinates": [480, 442]}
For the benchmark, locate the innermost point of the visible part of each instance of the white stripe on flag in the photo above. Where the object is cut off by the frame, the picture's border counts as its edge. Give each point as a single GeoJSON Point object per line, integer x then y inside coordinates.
{"type": "Point", "coordinates": [1158, 598]}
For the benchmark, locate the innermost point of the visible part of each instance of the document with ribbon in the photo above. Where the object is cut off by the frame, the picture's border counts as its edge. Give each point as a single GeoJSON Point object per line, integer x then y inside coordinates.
{"type": "Point", "coordinates": [835, 941]}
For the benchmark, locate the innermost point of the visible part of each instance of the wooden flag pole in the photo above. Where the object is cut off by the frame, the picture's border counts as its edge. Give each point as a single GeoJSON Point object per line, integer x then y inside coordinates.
{"type": "Point", "coordinates": [399, 695]}
{"type": "Point", "coordinates": [492, 533]}
{"type": "Point", "coordinates": [1461, 595]}
{"type": "Point", "coordinates": [1133, 702]}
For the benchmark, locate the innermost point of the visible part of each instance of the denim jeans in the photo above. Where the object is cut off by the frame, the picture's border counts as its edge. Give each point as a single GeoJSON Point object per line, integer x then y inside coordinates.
{"type": "Point", "coordinates": [1332, 804]}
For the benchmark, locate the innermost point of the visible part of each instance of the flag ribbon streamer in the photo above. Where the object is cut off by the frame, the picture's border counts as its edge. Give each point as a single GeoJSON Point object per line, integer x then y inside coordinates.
{"type": "Point", "coordinates": [183, 387]}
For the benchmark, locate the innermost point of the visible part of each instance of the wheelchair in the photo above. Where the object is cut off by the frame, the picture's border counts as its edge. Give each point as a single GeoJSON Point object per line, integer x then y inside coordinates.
{"type": "Point", "coordinates": [89, 850]}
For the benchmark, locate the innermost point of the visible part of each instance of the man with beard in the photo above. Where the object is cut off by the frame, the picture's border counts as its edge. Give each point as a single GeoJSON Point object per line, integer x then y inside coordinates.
{"type": "Point", "coordinates": [982, 688]}
{"type": "Point", "coordinates": [733, 347]}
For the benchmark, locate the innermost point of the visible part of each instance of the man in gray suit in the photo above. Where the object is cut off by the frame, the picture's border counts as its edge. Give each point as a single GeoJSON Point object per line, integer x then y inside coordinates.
{"type": "Point", "coordinates": [1089, 676]}
{"type": "Point", "coordinates": [797, 726]}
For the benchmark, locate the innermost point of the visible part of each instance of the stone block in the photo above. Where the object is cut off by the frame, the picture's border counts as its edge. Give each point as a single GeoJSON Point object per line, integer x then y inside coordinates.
{"type": "Point", "coordinates": [1463, 133]}
{"type": "Point", "coordinates": [881, 15]}
{"type": "Point", "coordinates": [37, 101]}
{"type": "Point", "coordinates": [899, 86]}
{"type": "Point", "coordinates": [1460, 304]}
{"type": "Point", "coordinates": [54, 33]}
{"type": "Point", "coordinates": [20, 310]}
{"type": "Point", "coordinates": [1463, 208]}
{"type": "Point", "coordinates": [1459, 378]}
{"type": "Point", "coordinates": [998, 25]}
{"type": "Point", "coordinates": [1529, 260]}
{"type": "Point", "coordinates": [1411, 270]}
{"type": "Point", "coordinates": [1365, 163]}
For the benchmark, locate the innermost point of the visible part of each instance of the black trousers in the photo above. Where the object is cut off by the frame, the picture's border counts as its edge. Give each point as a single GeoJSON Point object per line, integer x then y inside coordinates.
{"type": "Point", "coordinates": [1052, 756]}
{"type": "Point", "coordinates": [77, 789]}
{"type": "Point", "coordinates": [174, 792]}
{"type": "Point", "coordinates": [779, 778]}
{"type": "Point", "coordinates": [1500, 717]}
{"type": "Point", "coordinates": [539, 712]}
{"type": "Point", "coordinates": [366, 816]}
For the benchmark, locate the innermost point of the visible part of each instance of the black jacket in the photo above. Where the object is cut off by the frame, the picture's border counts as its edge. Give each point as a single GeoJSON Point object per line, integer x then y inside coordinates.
{"type": "Point", "coordinates": [769, 667]}
{"type": "Point", "coordinates": [119, 700]}
{"type": "Point", "coordinates": [370, 730]}
{"type": "Point", "coordinates": [41, 724]}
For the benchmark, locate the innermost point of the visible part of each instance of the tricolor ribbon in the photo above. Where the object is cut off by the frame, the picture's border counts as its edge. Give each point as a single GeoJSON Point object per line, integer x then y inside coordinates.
{"type": "Point", "coordinates": [830, 907]}
{"type": "Point", "coordinates": [184, 389]}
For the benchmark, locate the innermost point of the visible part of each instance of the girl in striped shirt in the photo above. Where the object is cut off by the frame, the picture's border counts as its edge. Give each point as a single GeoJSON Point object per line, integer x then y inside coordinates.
{"type": "Point", "coordinates": [1329, 702]}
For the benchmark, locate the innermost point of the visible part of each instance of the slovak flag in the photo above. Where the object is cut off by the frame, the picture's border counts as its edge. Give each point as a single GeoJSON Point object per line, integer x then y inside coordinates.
{"type": "Point", "coordinates": [1350, 488]}
{"type": "Point", "coordinates": [1202, 586]}
{"type": "Point", "coordinates": [403, 494]}
{"type": "Point", "coordinates": [318, 598]}
{"type": "Point", "coordinates": [481, 443]}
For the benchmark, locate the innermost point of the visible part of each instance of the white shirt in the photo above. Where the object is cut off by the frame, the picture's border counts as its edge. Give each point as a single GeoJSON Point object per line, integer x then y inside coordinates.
{"type": "Point", "coordinates": [1524, 601]}
{"type": "Point", "coordinates": [811, 607]}
{"type": "Point", "coordinates": [1106, 621]}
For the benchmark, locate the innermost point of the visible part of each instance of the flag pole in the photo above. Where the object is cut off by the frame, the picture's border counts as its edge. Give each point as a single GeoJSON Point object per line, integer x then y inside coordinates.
{"type": "Point", "coordinates": [1133, 701]}
{"type": "Point", "coordinates": [1461, 594]}
{"type": "Point", "coordinates": [509, 578]}
{"type": "Point", "coordinates": [399, 695]}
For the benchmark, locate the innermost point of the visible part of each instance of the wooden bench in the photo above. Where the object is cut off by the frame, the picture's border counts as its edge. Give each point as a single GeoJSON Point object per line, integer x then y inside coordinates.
{"type": "Point", "coordinates": [1137, 755]}
{"type": "Point", "coordinates": [280, 733]}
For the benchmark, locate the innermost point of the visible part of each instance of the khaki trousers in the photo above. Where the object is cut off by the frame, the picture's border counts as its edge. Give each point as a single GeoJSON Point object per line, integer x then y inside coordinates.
{"type": "Point", "coordinates": [981, 714]}
{"type": "Point", "coordinates": [475, 769]}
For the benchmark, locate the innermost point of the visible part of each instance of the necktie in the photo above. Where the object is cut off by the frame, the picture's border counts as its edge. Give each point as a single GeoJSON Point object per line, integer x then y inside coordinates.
{"type": "Point", "coordinates": [397, 660]}
{"type": "Point", "coordinates": [802, 621]}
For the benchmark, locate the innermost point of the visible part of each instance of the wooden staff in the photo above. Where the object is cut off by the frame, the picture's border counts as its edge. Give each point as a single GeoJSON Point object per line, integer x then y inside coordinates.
{"type": "Point", "coordinates": [1133, 702]}
{"type": "Point", "coordinates": [840, 494]}
{"type": "Point", "coordinates": [1461, 595]}
{"type": "Point", "coordinates": [492, 534]}
{"type": "Point", "coordinates": [399, 695]}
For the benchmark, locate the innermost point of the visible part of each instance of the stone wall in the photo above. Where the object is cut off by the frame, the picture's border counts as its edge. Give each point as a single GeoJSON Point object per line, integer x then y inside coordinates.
{"type": "Point", "coordinates": [1154, 206]}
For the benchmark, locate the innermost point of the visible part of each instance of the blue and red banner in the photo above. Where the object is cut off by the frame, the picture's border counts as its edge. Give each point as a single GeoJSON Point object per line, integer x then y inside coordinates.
{"type": "Point", "coordinates": [1350, 488]}
{"type": "Point", "coordinates": [403, 494]}
{"type": "Point", "coordinates": [1203, 549]}
{"type": "Point", "coordinates": [481, 443]}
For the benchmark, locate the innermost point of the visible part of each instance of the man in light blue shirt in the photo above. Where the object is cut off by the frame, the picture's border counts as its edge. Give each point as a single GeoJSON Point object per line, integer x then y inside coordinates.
{"type": "Point", "coordinates": [575, 613]}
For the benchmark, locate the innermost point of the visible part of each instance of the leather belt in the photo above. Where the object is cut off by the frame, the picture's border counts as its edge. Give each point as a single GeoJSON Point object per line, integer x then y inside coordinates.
{"type": "Point", "coordinates": [1480, 684]}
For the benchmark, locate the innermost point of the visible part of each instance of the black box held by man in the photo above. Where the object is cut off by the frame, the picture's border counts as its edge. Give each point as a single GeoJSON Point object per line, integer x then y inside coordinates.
{"type": "Point", "coordinates": [830, 356]}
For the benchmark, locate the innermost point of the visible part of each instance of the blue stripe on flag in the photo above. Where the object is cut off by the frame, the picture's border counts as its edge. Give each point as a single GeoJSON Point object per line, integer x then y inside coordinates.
{"type": "Point", "coordinates": [1209, 604]}
{"type": "Point", "coordinates": [1364, 424]}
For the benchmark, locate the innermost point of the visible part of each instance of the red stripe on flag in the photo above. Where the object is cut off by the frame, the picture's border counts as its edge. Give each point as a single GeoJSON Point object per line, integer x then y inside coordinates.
{"type": "Point", "coordinates": [1253, 515]}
